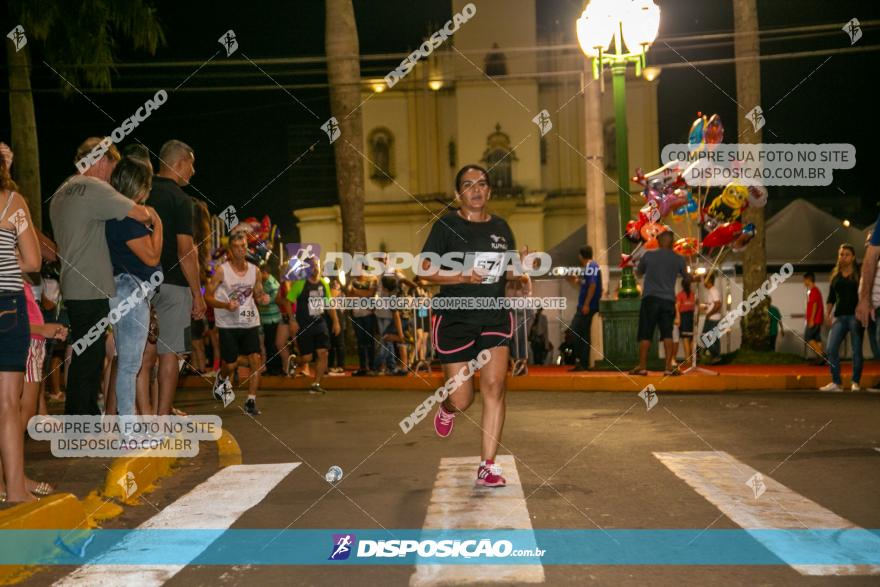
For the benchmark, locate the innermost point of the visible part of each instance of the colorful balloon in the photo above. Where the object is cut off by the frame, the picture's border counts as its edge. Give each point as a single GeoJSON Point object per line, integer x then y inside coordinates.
{"type": "Point", "coordinates": [633, 231]}
{"type": "Point", "coordinates": [713, 133]}
{"type": "Point", "coordinates": [650, 212]}
{"type": "Point", "coordinates": [685, 246]}
{"type": "Point", "coordinates": [723, 235]}
{"type": "Point", "coordinates": [664, 174]}
{"type": "Point", "coordinates": [696, 138]}
{"type": "Point", "coordinates": [757, 197]}
{"type": "Point", "coordinates": [672, 202]}
{"type": "Point", "coordinates": [748, 233]}
{"type": "Point", "coordinates": [728, 206]}
{"type": "Point", "coordinates": [708, 223]}
{"type": "Point", "coordinates": [649, 234]}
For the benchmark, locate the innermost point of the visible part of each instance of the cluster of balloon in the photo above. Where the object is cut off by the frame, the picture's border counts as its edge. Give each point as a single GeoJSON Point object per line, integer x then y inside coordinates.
{"type": "Point", "coordinates": [666, 192]}
{"type": "Point", "coordinates": [705, 131]}
{"type": "Point", "coordinates": [261, 238]}
{"type": "Point", "coordinates": [721, 217]}
{"type": "Point", "coordinates": [260, 244]}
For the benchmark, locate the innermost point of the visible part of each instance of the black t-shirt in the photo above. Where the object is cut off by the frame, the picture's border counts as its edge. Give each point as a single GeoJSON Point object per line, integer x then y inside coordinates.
{"type": "Point", "coordinates": [845, 294]}
{"type": "Point", "coordinates": [305, 313]}
{"type": "Point", "coordinates": [175, 209]}
{"type": "Point", "coordinates": [119, 232]}
{"type": "Point", "coordinates": [481, 244]}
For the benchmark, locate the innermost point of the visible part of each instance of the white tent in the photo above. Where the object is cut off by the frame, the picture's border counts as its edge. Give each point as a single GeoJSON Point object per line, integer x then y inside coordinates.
{"type": "Point", "coordinates": [802, 234]}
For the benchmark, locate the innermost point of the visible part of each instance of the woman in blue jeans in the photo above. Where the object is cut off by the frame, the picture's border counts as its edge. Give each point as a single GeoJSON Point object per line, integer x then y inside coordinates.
{"type": "Point", "coordinates": [843, 296]}
{"type": "Point", "coordinates": [134, 253]}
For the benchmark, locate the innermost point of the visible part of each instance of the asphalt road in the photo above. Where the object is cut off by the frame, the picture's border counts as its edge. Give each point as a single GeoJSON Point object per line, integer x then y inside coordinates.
{"type": "Point", "coordinates": [585, 460]}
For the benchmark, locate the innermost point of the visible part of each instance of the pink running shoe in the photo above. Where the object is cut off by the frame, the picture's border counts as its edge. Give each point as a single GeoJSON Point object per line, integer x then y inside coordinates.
{"type": "Point", "coordinates": [489, 475]}
{"type": "Point", "coordinates": [443, 422]}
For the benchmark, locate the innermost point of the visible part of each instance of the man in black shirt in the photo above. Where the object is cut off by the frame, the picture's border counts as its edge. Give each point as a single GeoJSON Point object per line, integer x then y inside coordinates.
{"type": "Point", "coordinates": [471, 339]}
{"type": "Point", "coordinates": [180, 296]}
{"type": "Point", "coordinates": [313, 337]}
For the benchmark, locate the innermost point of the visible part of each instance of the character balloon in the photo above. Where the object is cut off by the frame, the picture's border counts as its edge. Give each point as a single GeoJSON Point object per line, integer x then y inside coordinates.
{"type": "Point", "coordinates": [723, 235]}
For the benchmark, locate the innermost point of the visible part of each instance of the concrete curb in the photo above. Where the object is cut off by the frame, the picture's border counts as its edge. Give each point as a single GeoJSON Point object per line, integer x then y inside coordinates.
{"type": "Point", "coordinates": [612, 382]}
{"type": "Point", "coordinates": [228, 450]}
{"type": "Point", "coordinates": [131, 477]}
{"type": "Point", "coordinates": [64, 511]}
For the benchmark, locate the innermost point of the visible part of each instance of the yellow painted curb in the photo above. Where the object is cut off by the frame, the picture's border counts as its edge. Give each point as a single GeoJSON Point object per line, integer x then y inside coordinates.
{"type": "Point", "coordinates": [62, 511]}
{"type": "Point", "coordinates": [131, 477]}
{"type": "Point", "coordinates": [128, 478]}
{"type": "Point", "coordinates": [228, 451]}
{"type": "Point", "coordinates": [101, 509]}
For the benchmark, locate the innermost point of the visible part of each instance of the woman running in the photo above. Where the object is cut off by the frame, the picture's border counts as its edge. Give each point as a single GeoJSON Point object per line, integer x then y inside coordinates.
{"type": "Point", "coordinates": [460, 335]}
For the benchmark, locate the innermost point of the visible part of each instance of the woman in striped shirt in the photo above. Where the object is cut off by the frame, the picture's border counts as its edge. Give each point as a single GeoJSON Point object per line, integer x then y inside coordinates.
{"type": "Point", "coordinates": [19, 253]}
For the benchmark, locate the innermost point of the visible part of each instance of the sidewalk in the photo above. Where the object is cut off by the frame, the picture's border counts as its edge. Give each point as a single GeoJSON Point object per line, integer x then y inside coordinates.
{"type": "Point", "coordinates": [729, 378]}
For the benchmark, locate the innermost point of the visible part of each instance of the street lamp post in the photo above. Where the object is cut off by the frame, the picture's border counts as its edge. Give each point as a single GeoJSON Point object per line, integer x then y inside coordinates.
{"type": "Point", "coordinates": [628, 28]}
{"type": "Point", "coordinates": [633, 23]}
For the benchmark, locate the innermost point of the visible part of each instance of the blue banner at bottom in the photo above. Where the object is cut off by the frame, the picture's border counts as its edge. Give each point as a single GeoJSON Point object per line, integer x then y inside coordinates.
{"type": "Point", "coordinates": [442, 547]}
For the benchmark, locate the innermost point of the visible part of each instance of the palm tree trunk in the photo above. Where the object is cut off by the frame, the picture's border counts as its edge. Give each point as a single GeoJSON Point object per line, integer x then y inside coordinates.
{"type": "Point", "coordinates": [344, 74]}
{"type": "Point", "coordinates": [24, 130]}
{"type": "Point", "coordinates": [756, 324]}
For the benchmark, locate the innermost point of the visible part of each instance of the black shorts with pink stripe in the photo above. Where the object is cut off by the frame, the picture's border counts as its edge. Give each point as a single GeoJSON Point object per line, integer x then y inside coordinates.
{"type": "Point", "coordinates": [458, 338]}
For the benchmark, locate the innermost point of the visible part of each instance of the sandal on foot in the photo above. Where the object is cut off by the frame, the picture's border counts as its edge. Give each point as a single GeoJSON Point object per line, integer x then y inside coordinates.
{"type": "Point", "coordinates": [637, 371]}
{"type": "Point", "coordinates": [43, 489]}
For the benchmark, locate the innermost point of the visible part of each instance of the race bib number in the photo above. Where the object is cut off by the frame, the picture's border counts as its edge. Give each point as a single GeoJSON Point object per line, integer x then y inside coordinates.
{"type": "Point", "coordinates": [315, 307]}
{"type": "Point", "coordinates": [491, 264]}
{"type": "Point", "coordinates": [246, 314]}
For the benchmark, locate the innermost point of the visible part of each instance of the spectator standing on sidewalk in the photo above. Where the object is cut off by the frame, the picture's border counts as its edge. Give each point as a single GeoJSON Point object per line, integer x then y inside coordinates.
{"type": "Point", "coordinates": [270, 319]}
{"type": "Point", "coordinates": [78, 211]}
{"type": "Point", "coordinates": [365, 325]}
{"type": "Point", "coordinates": [538, 338]}
{"type": "Point", "coordinates": [134, 252]}
{"type": "Point", "coordinates": [180, 297]}
{"type": "Point", "coordinates": [587, 308]}
{"type": "Point", "coordinates": [19, 253]}
{"type": "Point", "coordinates": [814, 318]}
{"type": "Point", "coordinates": [776, 326]}
{"type": "Point", "coordinates": [660, 268]}
{"type": "Point", "coordinates": [685, 303]}
{"type": "Point", "coordinates": [843, 296]}
{"type": "Point", "coordinates": [869, 285]}
{"type": "Point", "coordinates": [336, 353]}
{"type": "Point", "coordinates": [712, 309]}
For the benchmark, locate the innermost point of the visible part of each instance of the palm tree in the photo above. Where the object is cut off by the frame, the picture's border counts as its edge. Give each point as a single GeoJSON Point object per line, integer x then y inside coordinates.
{"type": "Point", "coordinates": [344, 74]}
{"type": "Point", "coordinates": [78, 41]}
{"type": "Point", "coordinates": [756, 324]}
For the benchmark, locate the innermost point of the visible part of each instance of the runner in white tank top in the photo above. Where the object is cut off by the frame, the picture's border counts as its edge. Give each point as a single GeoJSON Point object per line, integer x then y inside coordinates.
{"type": "Point", "coordinates": [240, 288]}
{"type": "Point", "coordinates": [233, 292]}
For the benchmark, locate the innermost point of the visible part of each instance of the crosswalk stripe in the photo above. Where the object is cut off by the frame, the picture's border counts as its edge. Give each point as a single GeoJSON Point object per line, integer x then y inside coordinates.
{"type": "Point", "coordinates": [457, 504]}
{"type": "Point", "coordinates": [722, 480]}
{"type": "Point", "coordinates": [213, 505]}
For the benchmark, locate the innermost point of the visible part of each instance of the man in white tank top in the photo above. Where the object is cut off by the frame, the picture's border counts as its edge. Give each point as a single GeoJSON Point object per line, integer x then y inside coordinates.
{"type": "Point", "coordinates": [234, 291]}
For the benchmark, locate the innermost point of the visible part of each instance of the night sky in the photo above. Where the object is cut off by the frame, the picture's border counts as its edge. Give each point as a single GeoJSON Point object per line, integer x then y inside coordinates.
{"type": "Point", "coordinates": [245, 139]}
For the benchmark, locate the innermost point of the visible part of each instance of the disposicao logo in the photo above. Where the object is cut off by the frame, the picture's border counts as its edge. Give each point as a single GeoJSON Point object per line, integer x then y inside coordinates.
{"type": "Point", "coordinates": [342, 546]}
